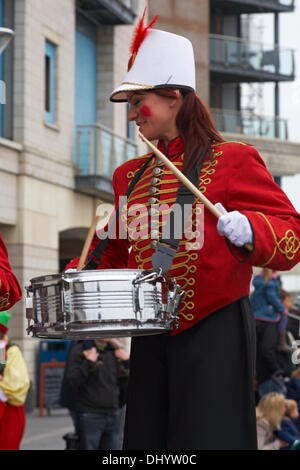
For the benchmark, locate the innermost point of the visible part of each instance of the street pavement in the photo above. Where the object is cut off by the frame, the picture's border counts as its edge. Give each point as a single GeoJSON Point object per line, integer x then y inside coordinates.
{"type": "Point", "coordinates": [45, 432]}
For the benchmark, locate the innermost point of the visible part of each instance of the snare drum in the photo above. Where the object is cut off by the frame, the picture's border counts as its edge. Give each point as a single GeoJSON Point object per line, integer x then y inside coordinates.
{"type": "Point", "coordinates": [101, 304]}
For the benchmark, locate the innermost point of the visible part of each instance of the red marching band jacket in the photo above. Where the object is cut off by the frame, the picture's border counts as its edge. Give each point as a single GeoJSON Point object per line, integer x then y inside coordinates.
{"type": "Point", "coordinates": [10, 290]}
{"type": "Point", "coordinates": [211, 271]}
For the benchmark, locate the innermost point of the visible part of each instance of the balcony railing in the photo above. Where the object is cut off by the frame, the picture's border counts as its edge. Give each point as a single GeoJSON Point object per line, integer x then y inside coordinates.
{"type": "Point", "coordinates": [248, 123]}
{"type": "Point", "coordinates": [254, 6]}
{"type": "Point", "coordinates": [108, 12]}
{"type": "Point", "coordinates": [99, 150]}
{"type": "Point", "coordinates": [286, 3]}
{"type": "Point", "coordinates": [129, 3]}
{"type": "Point", "coordinates": [233, 53]}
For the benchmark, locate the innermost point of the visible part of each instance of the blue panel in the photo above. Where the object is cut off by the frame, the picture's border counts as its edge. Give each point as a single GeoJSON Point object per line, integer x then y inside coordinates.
{"type": "Point", "coordinates": [130, 125]}
{"type": "Point", "coordinates": [50, 52]}
{"type": "Point", "coordinates": [53, 350]}
{"type": "Point", "coordinates": [85, 93]}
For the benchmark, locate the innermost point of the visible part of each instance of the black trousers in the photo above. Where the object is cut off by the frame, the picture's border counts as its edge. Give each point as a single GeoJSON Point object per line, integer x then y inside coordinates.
{"type": "Point", "coordinates": [195, 390]}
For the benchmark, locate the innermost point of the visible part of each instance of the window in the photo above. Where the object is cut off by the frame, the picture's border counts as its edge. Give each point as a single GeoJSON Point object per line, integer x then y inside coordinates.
{"type": "Point", "coordinates": [50, 91]}
{"type": "Point", "coordinates": [6, 73]}
{"type": "Point", "coordinates": [130, 126]}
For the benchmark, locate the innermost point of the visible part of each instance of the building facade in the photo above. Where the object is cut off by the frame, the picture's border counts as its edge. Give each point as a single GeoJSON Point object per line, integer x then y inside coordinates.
{"type": "Point", "coordinates": [61, 138]}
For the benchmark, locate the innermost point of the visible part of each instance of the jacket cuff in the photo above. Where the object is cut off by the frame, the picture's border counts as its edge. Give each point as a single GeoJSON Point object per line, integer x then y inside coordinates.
{"type": "Point", "coordinates": [241, 254]}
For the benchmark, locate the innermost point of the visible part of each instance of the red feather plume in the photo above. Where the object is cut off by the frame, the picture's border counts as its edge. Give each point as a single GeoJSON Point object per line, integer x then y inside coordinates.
{"type": "Point", "coordinates": [139, 36]}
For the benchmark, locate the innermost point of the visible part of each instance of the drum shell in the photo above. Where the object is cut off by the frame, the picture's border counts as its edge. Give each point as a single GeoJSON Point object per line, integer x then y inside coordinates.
{"type": "Point", "coordinates": [101, 303]}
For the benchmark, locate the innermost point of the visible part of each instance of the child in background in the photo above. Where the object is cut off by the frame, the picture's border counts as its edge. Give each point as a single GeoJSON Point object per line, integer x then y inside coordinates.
{"type": "Point", "coordinates": [268, 306]}
{"type": "Point", "coordinates": [286, 300]}
{"type": "Point", "coordinates": [288, 431]}
{"type": "Point", "coordinates": [269, 414]}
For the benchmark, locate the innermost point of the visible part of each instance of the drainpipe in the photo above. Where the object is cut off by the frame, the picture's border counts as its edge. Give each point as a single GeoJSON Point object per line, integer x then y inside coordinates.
{"type": "Point", "coordinates": [277, 95]}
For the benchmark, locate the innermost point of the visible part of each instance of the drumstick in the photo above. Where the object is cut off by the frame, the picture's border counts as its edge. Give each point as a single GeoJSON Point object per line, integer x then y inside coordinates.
{"type": "Point", "coordinates": [87, 243]}
{"type": "Point", "coordinates": [184, 180]}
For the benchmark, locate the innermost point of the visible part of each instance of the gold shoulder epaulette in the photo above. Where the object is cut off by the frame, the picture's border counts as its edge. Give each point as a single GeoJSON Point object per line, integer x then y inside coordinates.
{"type": "Point", "coordinates": [140, 156]}
{"type": "Point", "coordinates": [228, 142]}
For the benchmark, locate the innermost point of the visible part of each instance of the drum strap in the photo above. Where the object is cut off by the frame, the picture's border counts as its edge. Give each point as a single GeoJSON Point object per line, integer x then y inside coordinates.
{"type": "Point", "coordinates": [168, 245]}
{"type": "Point", "coordinates": [96, 255]}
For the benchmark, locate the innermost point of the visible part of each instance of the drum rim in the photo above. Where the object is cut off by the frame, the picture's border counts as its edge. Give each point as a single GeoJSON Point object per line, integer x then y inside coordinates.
{"type": "Point", "coordinates": [88, 273]}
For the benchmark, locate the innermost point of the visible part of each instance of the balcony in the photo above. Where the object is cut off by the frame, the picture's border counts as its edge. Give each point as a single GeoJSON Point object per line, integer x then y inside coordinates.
{"type": "Point", "coordinates": [238, 7]}
{"type": "Point", "coordinates": [99, 151]}
{"type": "Point", "coordinates": [235, 60]}
{"type": "Point", "coordinates": [248, 123]}
{"type": "Point", "coordinates": [107, 12]}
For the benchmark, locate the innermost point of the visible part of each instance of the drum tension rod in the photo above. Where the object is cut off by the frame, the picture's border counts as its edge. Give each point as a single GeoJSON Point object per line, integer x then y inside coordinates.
{"type": "Point", "coordinates": [148, 277]}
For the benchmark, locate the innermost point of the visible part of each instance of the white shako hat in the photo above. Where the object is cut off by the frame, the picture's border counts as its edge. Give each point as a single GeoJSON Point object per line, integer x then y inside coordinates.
{"type": "Point", "coordinates": [159, 60]}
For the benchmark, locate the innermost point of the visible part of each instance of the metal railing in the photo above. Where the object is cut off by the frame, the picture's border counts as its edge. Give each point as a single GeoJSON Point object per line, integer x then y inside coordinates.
{"type": "Point", "coordinates": [286, 3]}
{"type": "Point", "coordinates": [99, 150]}
{"type": "Point", "coordinates": [127, 3]}
{"type": "Point", "coordinates": [248, 123]}
{"type": "Point", "coordinates": [232, 52]}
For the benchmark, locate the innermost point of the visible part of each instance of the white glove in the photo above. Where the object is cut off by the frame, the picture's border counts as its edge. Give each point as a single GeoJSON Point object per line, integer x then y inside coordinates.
{"type": "Point", "coordinates": [234, 226]}
{"type": "Point", "coordinates": [71, 270]}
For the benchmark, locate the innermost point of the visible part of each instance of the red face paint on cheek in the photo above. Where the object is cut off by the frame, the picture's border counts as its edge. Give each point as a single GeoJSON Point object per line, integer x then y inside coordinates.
{"type": "Point", "coordinates": [145, 111]}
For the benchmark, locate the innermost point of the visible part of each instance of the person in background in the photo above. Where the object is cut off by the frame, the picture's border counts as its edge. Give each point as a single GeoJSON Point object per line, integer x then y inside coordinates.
{"type": "Point", "coordinates": [294, 319]}
{"type": "Point", "coordinates": [288, 431]}
{"type": "Point", "coordinates": [268, 310]}
{"type": "Point", "coordinates": [293, 392]}
{"type": "Point", "coordinates": [287, 302]}
{"type": "Point", "coordinates": [266, 301]}
{"type": "Point", "coordinates": [269, 414]}
{"type": "Point", "coordinates": [285, 354]}
{"type": "Point", "coordinates": [14, 385]}
{"type": "Point", "coordinates": [94, 372]}
{"type": "Point", "coordinates": [68, 393]}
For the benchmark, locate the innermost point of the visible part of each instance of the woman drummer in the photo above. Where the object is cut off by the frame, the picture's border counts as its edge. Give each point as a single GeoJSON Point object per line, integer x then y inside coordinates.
{"type": "Point", "coordinates": [193, 388]}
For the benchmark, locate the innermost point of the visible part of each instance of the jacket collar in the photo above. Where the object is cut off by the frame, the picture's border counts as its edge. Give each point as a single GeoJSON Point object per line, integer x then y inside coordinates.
{"type": "Point", "coordinates": [172, 147]}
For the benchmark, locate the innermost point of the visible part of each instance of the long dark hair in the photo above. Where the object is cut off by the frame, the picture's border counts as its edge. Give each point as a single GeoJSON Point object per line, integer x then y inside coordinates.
{"type": "Point", "coordinates": [195, 125]}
